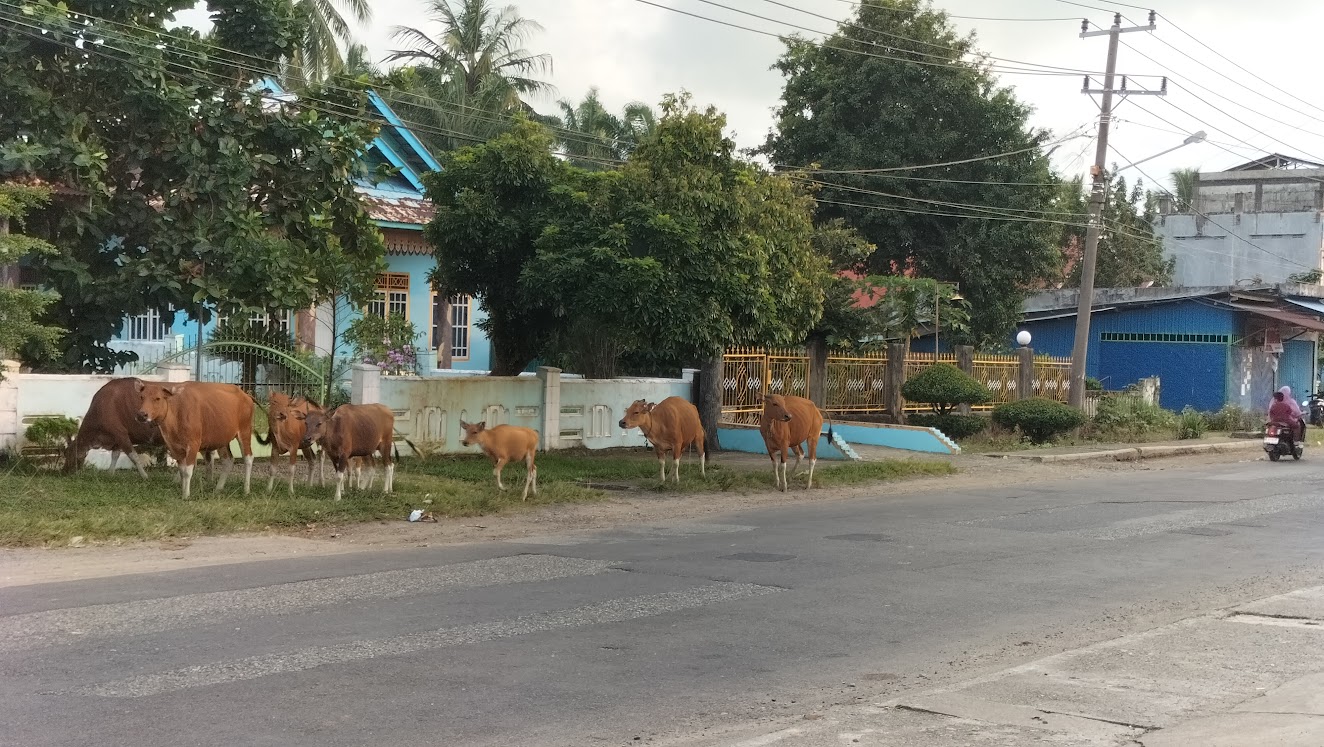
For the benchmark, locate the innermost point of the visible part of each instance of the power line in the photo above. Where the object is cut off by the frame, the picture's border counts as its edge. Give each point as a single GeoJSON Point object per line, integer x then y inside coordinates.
{"type": "Point", "coordinates": [909, 39]}
{"type": "Point", "coordinates": [949, 15]}
{"type": "Point", "coordinates": [941, 203]}
{"type": "Point", "coordinates": [847, 50]}
{"type": "Point", "coordinates": [206, 75]}
{"type": "Point", "coordinates": [890, 169]}
{"type": "Point", "coordinates": [1225, 229]}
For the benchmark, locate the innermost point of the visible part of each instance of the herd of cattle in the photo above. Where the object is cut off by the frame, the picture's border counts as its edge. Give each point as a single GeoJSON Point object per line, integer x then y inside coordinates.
{"type": "Point", "coordinates": [201, 418]}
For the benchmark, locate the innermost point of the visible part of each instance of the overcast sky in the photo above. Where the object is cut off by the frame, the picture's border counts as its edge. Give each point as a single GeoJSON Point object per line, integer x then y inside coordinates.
{"type": "Point", "coordinates": [634, 51]}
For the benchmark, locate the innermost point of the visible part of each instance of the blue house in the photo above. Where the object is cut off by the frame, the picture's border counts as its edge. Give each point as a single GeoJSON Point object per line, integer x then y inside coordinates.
{"type": "Point", "coordinates": [1208, 346]}
{"type": "Point", "coordinates": [449, 336]}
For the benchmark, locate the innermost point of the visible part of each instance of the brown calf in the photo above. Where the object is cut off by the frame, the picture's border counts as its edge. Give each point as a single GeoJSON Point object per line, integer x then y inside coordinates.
{"type": "Point", "coordinates": [286, 426]}
{"type": "Point", "coordinates": [788, 422]}
{"type": "Point", "coordinates": [354, 431]}
{"type": "Point", "coordinates": [200, 416]}
{"type": "Point", "coordinates": [506, 443]}
{"type": "Point", "coordinates": [670, 425]}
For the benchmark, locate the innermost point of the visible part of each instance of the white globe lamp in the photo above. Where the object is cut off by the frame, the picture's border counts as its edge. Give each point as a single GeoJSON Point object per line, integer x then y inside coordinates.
{"type": "Point", "coordinates": [1023, 338]}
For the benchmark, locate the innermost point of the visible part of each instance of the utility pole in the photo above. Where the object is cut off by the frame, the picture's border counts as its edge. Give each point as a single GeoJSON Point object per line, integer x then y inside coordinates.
{"type": "Point", "coordinates": [1098, 183]}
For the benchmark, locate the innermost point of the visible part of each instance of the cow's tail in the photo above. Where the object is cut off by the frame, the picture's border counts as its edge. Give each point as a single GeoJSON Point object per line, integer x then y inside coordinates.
{"type": "Point", "coordinates": [829, 433]}
{"type": "Point", "coordinates": [411, 445]}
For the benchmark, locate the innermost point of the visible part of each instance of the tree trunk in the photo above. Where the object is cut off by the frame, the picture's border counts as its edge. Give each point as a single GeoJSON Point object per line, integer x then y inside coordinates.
{"type": "Point", "coordinates": [710, 400]}
{"type": "Point", "coordinates": [818, 356]}
{"type": "Point", "coordinates": [445, 358]}
{"type": "Point", "coordinates": [509, 354]}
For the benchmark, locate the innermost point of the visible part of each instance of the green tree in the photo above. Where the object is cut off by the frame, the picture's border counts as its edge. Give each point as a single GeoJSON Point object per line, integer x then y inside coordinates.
{"type": "Point", "coordinates": [318, 55]}
{"type": "Point", "coordinates": [922, 102]}
{"type": "Point", "coordinates": [493, 202]}
{"type": "Point", "coordinates": [686, 251]}
{"type": "Point", "coordinates": [1130, 253]}
{"type": "Point", "coordinates": [466, 81]}
{"type": "Point", "coordinates": [21, 309]}
{"type": "Point", "coordinates": [202, 194]}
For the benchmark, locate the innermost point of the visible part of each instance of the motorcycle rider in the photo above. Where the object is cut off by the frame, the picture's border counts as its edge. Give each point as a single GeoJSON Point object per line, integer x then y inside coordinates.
{"type": "Point", "coordinates": [1283, 409]}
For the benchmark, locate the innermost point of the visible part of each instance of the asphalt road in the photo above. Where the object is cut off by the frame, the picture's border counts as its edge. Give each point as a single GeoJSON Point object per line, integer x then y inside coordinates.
{"type": "Point", "coordinates": [641, 634]}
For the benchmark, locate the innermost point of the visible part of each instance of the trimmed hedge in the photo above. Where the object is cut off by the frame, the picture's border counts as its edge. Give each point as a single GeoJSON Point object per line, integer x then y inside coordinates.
{"type": "Point", "coordinates": [1039, 420]}
{"type": "Point", "coordinates": [943, 386]}
{"type": "Point", "coordinates": [956, 427]}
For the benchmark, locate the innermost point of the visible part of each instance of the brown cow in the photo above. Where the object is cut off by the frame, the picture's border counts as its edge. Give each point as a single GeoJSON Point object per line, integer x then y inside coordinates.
{"type": "Point", "coordinates": [788, 422]}
{"type": "Point", "coordinates": [503, 444]}
{"type": "Point", "coordinates": [670, 425]}
{"type": "Point", "coordinates": [286, 426]}
{"type": "Point", "coordinates": [111, 423]}
{"type": "Point", "coordinates": [355, 431]}
{"type": "Point", "coordinates": [199, 416]}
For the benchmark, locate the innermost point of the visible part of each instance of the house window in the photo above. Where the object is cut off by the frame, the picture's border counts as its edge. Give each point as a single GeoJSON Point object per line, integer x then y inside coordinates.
{"type": "Point", "coordinates": [392, 296]}
{"type": "Point", "coordinates": [460, 308]}
{"type": "Point", "coordinates": [280, 320]}
{"type": "Point", "coordinates": [147, 327]}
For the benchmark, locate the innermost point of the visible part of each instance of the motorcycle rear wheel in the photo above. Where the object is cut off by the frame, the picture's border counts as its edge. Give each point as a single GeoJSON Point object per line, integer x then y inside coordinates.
{"type": "Point", "coordinates": [1274, 456]}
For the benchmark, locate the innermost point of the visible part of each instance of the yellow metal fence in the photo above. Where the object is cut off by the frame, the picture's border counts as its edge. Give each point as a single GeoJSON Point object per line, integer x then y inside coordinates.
{"type": "Point", "coordinates": [857, 382]}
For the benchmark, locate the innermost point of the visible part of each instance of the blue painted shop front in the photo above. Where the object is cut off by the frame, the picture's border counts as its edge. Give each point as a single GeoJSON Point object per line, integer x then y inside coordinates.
{"type": "Point", "coordinates": [1196, 346]}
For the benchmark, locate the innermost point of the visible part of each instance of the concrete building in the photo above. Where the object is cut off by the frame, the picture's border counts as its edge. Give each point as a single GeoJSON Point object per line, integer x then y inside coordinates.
{"type": "Point", "coordinates": [1255, 223]}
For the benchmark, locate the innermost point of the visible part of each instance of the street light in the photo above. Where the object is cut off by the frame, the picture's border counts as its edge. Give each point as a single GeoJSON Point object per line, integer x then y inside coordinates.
{"type": "Point", "coordinates": [937, 299]}
{"type": "Point", "coordinates": [1085, 303]}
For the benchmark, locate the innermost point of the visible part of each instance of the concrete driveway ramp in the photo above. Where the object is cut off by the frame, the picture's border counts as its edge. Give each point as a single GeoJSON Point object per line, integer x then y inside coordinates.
{"type": "Point", "coordinates": [1242, 730]}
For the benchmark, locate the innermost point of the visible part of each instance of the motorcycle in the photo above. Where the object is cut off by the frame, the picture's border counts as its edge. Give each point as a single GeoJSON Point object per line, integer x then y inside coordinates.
{"type": "Point", "coordinates": [1315, 407]}
{"type": "Point", "coordinates": [1280, 440]}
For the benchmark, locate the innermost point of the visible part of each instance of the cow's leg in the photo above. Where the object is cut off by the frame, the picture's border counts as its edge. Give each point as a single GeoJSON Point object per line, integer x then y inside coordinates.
{"type": "Point", "coordinates": [227, 464]}
{"type": "Point", "coordinates": [294, 466]}
{"type": "Point", "coordinates": [799, 454]}
{"type": "Point", "coordinates": [138, 460]}
{"type": "Point", "coordinates": [500, 464]}
{"type": "Point", "coordinates": [340, 481]}
{"type": "Point", "coordinates": [661, 461]}
{"type": "Point", "coordinates": [703, 456]}
{"type": "Point", "coordinates": [114, 460]}
{"type": "Point", "coordinates": [530, 475]}
{"type": "Point", "coordinates": [271, 473]}
{"type": "Point", "coordinates": [676, 451]}
{"type": "Point", "coordinates": [813, 459]}
{"type": "Point", "coordinates": [187, 461]}
{"type": "Point", "coordinates": [388, 467]}
{"type": "Point", "coordinates": [776, 473]}
{"type": "Point", "coordinates": [785, 478]}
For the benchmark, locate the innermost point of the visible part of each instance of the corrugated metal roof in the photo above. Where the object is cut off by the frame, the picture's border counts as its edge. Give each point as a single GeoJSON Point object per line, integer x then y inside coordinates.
{"type": "Point", "coordinates": [1305, 321]}
{"type": "Point", "coordinates": [1316, 307]}
{"type": "Point", "coordinates": [402, 209]}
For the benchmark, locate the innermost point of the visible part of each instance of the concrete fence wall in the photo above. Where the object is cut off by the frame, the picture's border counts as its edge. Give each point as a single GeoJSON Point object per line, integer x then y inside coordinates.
{"type": "Point", "coordinates": [568, 412]}
{"type": "Point", "coordinates": [26, 397]}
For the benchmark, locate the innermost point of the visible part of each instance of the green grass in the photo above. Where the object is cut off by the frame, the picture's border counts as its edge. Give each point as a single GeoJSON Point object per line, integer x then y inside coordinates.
{"type": "Point", "coordinates": [45, 507]}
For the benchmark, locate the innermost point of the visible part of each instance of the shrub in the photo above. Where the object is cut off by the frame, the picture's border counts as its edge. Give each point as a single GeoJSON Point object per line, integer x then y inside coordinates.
{"type": "Point", "coordinates": [1039, 420]}
{"type": "Point", "coordinates": [1092, 384]}
{"type": "Point", "coordinates": [1130, 415]}
{"type": "Point", "coordinates": [1191, 424]}
{"type": "Point", "coordinates": [51, 432]}
{"type": "Point", "coordinates": [943, 386]}
{"type": "Point", "coordinates": [1233, 418]}
{"type": "Point", "coordinates": [956, 427]}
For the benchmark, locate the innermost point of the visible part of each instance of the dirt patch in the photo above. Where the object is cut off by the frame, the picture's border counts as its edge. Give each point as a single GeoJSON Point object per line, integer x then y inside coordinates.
{"type": "Point", "coordinates": [29, 566]}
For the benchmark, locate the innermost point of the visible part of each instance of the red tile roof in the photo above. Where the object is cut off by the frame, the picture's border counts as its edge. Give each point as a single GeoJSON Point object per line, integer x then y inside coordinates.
{"type": "Point", "coordinates": [399, 209]}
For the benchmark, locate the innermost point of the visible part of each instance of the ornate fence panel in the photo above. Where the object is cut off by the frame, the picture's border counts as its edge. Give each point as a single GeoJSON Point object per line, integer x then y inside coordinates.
{"type": "Point", "coordinates": [857, 383]}
{"type": "Point", "coordinates": [999, 373]}
{"type": "Point", "coordinates": [1052, 377]}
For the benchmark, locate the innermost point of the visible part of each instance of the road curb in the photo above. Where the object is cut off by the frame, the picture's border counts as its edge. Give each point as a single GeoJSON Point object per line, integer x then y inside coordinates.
{"type": "Point", "coordinates": [1137, 453]}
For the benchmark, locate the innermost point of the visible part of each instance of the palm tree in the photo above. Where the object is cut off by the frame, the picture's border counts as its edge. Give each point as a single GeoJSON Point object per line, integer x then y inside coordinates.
{"type": "Point", "coordinates": [319, 55]}
{"type": "Point", "coordinates": [474, 73]}
{"type": "Point", "coordinates": [1183, 186]}
{"type": "Point", "coordinates": [591, 136]}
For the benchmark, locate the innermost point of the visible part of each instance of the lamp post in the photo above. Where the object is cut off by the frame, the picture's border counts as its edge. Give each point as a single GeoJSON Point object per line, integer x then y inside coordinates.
{"type": "Point", "coordinates": [937, 301]}
{"type": "Point", "coordinates": [1085, 303]}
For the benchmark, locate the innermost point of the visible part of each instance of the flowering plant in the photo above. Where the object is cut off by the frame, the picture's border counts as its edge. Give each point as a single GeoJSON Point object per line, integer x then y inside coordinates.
{"type": "Point", "coordinates": [387, 343]}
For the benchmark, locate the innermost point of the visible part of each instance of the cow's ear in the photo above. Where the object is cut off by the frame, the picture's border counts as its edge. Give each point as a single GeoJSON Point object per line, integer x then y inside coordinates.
{"type": "Point", "coordinates": [463, 424]}
{"type": "Point", "coordinates": [173, 390]}
{"type": "Point", "coordinates": [301, 416]}
{"type": "Point", "coordinates": [650, 406]}
{"type": "Point", "coordinates": [758, 399]}
{"type": "Point", "coordinates": [281, 416]}
{"type": "Point", "coordinates": [482, 426]}
{"type": "Point", "coordinates": [140, 385]}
